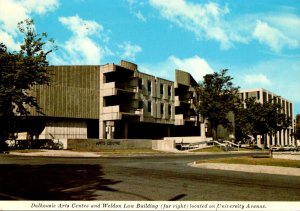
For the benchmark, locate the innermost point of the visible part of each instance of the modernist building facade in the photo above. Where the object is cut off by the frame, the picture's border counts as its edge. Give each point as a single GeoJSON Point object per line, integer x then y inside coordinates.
{"type": "Point", "coordinates": [117, 101]}
{"type": "Point", "coordinates": [113, 101]}
{"type": "Point", "coordinates": [284, 136]}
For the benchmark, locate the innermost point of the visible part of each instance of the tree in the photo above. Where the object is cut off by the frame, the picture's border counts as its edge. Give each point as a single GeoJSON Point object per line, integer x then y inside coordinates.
{"type": "Point", "coordinates": [218, 97]}
{"type": "Point", "coordinates": [19, 72]}
{"type": "Point", "coordinates": [255, 118]}
{"type": "Point", "coordinates": [251, 119]}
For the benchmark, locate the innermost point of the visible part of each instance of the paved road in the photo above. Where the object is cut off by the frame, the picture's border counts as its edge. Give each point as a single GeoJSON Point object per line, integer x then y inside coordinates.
{"type": "Point", "coordinates": [136, 178]}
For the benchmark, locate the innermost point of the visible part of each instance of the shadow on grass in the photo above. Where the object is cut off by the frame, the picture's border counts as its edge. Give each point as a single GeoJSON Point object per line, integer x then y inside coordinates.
{"type": "Point", "coordinates": [52, 182]}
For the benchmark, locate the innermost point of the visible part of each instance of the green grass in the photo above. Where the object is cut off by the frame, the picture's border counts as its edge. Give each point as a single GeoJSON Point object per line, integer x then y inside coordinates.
{"type": "Point", "coordinates": [256, 161]}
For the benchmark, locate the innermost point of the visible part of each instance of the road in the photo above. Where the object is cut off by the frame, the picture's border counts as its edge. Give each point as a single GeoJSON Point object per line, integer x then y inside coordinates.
{"type": "Point", "coordinates": [136, 178]}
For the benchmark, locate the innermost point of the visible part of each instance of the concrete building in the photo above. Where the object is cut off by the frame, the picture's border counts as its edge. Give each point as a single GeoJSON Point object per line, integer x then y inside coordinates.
{"type": "Point", "coordinates": [134, 104]}
{"type": "Point", "coordinates": [283, 137]}
{"type": "Point", "coordinates": [70, 105]}
{"type": "Point", "coordinates": [117, 101]}
{"type": "Point", "coordinates": [113, 101]}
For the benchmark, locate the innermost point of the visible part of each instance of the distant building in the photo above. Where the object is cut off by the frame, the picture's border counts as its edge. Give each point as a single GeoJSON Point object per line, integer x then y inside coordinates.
{"type": "Point", "coordinates": [283, 137]}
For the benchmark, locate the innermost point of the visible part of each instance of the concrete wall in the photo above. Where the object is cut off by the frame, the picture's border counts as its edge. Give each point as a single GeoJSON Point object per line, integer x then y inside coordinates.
{"type": "Point", "coordinates": [64, 129]}
{"type": "Point", "coordinates": [100, 144]}
{"type": "Point", "coordinates": [74, 92]}
{"type": "Point", "coordinates": [163, 145]}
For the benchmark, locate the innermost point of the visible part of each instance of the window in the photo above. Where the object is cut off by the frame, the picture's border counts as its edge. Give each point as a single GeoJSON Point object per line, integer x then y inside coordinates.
{"type": "Point", "coordinates": [149, 106]}
{"type": "Point", "coordinates": [258, 95]}
{"type": "Point", "coordinates": [149, 86]}
{"type": "Point", "coordinates": [140, 83]}
{"type": "Point", "coordinates": [169, 91]}
{"type": "Point", "coordinates": [170, 109]}
{"type": "Point", "coordinates": [162, 108]}
{"type": "Point", "coordinates": [161, 89]}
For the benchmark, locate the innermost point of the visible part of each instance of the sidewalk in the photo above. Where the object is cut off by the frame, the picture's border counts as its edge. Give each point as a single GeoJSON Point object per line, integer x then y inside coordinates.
{"type": "Point", "coordinates": [57, 153]}
{"type": "Point", "coordinates": [250, 168]}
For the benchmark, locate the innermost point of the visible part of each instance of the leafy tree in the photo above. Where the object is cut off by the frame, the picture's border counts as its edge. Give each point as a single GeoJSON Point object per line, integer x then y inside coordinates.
{"type": "Point", "coordinates": [19, 72]}
{"type": "Point", "coordinates": [276, 119]}
{"type": "Point", "coordinates": [251, 119]}
{"type": "Point", "coordinates": [255, 118]}
{"type": "Point", "coordinates": [218, 97]}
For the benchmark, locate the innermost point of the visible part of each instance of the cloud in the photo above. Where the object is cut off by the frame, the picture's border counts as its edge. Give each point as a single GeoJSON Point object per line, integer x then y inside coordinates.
{"type": "Point", "coordinates": [130, 50]}
{"type": "Point", "coordinates": [133, 8]}
{"type": "Point", "coordinates": [140, 16]}
{"type": "Point", "coordinates": [80, 48]}
{"type": "Point", "coordinates": [273, 37]}
{"type": "Point", "coordinates": [204, 20]}
{"type": "Point", "coordinates": [279, 76]}
{"type": "Point", "coordinates": [13, 11]}
{"type": "Point", "coordinates": [9, 41]}
{"type": "Point", "coordinates": [257, 79]}
{"type": "Point", "coordinates": [211, 21]}
{"type": "Point", "coordinates": [195, 65]}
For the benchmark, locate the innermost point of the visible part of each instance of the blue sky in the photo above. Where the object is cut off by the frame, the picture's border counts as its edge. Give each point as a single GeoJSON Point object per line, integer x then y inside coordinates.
{"type": "Point", "coordinates": [258, 41]}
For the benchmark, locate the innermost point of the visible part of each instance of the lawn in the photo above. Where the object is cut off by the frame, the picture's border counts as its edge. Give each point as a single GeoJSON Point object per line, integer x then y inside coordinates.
{"type": "Point", "coordinates": [255, 161]}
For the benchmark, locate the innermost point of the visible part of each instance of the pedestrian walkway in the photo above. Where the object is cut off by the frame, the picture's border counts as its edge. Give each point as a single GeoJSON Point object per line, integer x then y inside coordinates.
{"type": "Point", "coordinates": [57, 153]}
{"type": "Point", "coordinates": [250, 168]}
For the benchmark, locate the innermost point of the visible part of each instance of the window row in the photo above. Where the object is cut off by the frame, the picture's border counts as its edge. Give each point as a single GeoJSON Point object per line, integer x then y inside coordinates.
{"type": "Point", "coordinates": [161, 108]}
{"type": "Point", "coordinates": [149, 87]}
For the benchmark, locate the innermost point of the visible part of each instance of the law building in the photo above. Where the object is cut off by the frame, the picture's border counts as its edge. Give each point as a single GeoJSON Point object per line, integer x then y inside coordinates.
{"type": "Point", "coordinates": [283, 137]}
{"type": "Point", "coordinates": [117, 101]}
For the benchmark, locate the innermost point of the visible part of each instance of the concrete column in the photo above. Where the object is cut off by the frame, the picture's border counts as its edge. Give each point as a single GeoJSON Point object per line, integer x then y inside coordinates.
{"type": "Point", "coordinates": [268, 140]}
{"type": "Point", "coordinates": [288, 137]}
{"type": "Point", "coordinates": [102, 133]}
{"type": "Point", "coordinates": [259, 140]}
{"type": "Point", "coordinates": [283, 141]}
{"type": "Point", "coordinates": [202, 130]}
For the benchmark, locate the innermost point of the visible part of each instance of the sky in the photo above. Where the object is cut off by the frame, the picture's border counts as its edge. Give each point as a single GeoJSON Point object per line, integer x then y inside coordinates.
{"type": "Point", "coordinates": [258, 41]}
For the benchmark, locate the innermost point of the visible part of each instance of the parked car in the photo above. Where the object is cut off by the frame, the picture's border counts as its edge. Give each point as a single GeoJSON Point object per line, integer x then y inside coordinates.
{"type": "Point", "coordinates": [289, 148]}
{"type": "Point", "coordinates": [276, 148]}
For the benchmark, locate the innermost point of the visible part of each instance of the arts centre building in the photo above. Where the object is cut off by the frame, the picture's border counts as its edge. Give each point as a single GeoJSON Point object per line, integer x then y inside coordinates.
{"type": "Point", "coordinates": [117, 101]}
